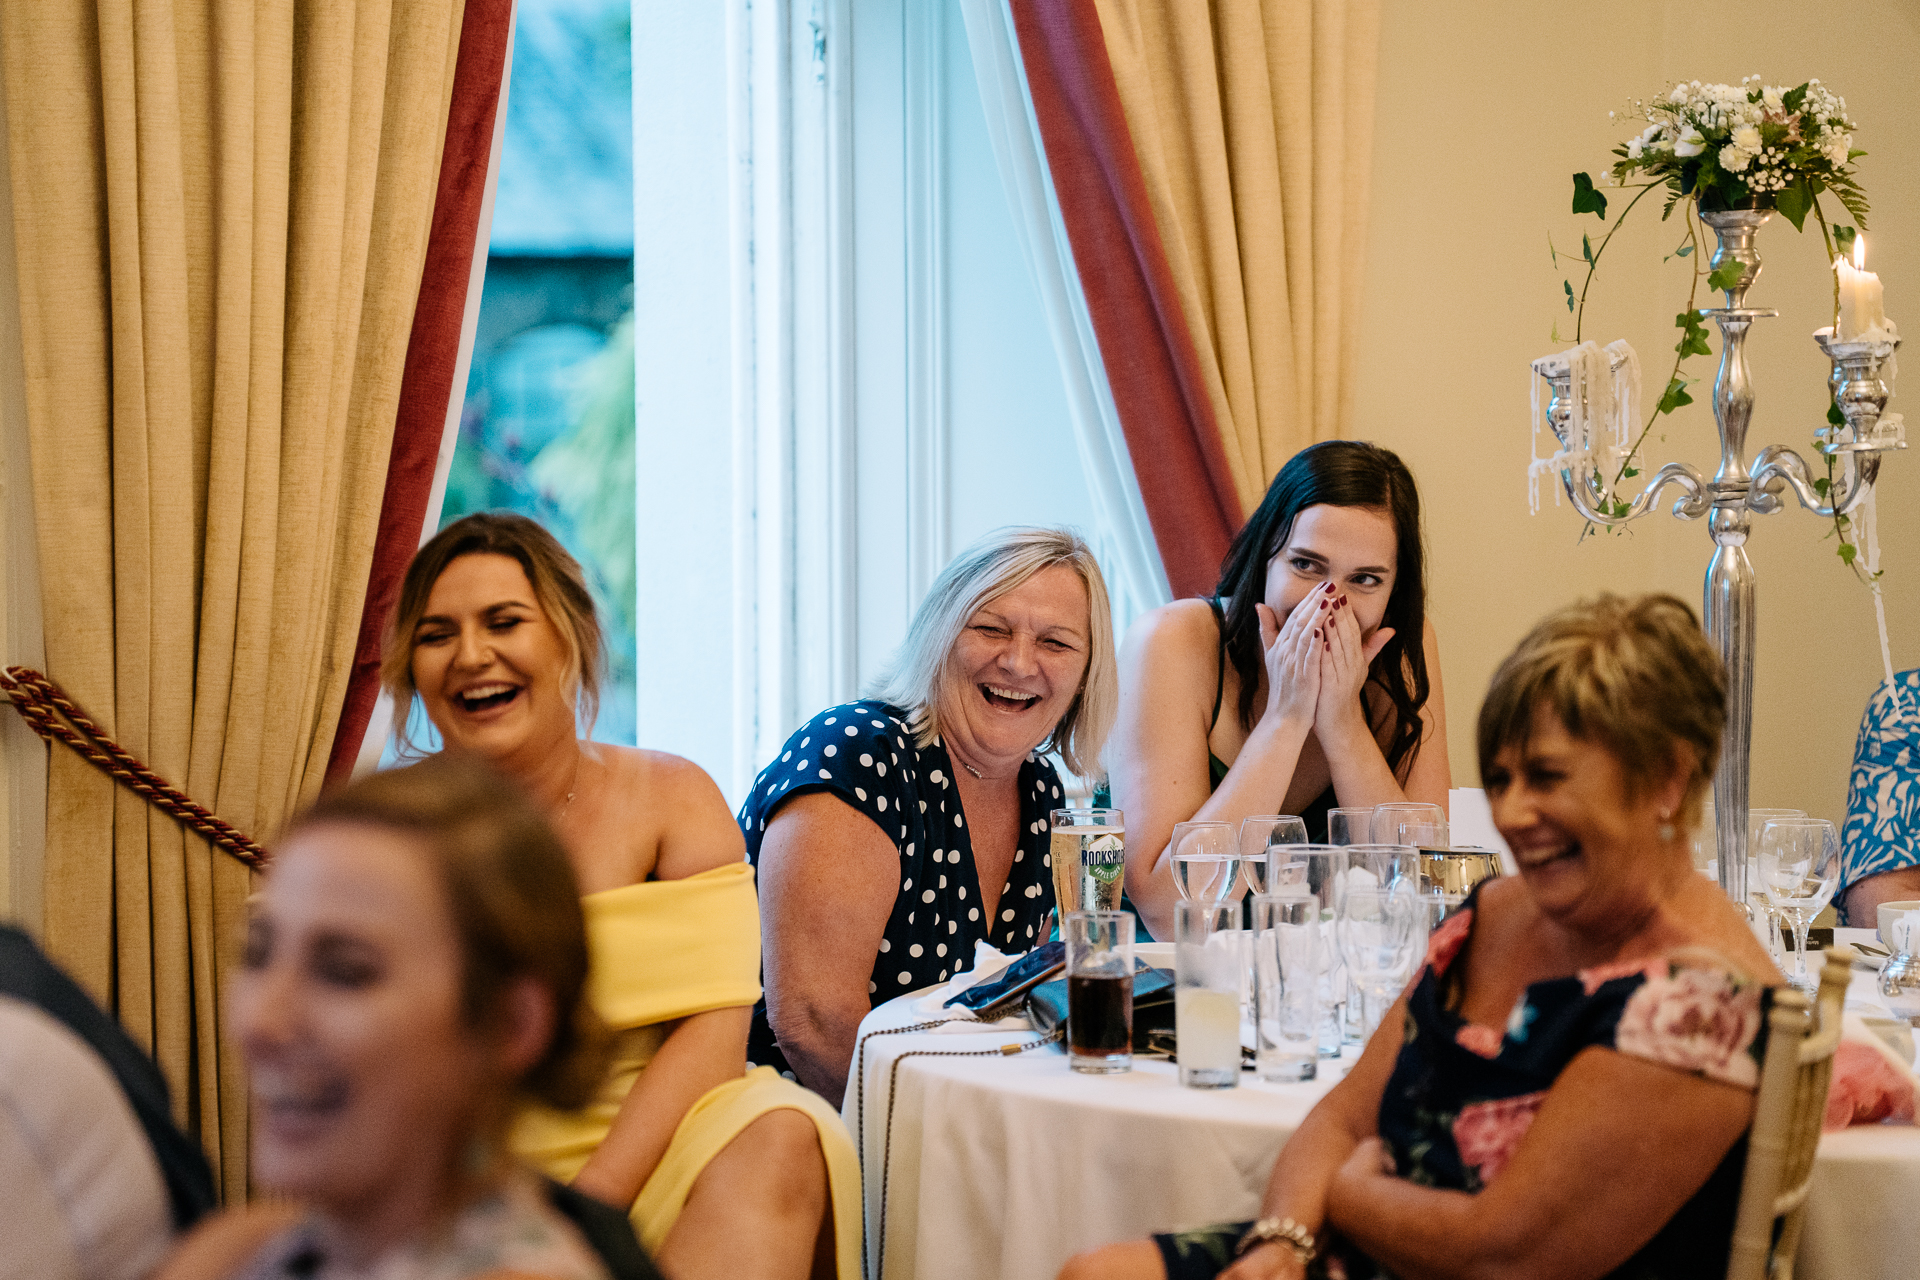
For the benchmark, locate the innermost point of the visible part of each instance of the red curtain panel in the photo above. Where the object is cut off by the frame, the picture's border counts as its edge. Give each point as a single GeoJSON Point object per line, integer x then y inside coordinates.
{"type": "Point", "coordinates": [426, 386]}
{"type": "Point", "coordinates": [1152, 367]}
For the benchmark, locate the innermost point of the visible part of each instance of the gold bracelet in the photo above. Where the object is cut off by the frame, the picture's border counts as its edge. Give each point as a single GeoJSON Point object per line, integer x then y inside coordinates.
{"type": "Point", "coordinates": [1283, 1231]}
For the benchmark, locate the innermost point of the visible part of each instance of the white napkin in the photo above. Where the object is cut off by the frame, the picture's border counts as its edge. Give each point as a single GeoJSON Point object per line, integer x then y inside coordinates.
{"type": "Point", "coordinates": [988, 963]}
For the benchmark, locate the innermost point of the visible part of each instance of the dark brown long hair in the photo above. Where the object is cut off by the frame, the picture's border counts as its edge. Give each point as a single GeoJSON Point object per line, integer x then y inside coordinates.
{"type": "Point", "coordinates": [1338, 473]}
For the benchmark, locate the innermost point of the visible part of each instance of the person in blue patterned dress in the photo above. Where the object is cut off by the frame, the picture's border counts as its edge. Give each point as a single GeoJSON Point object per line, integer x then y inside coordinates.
{"type": "Point", "coordinates": [1880, 848]}
{"type": "Point", "coordinates": [1565, 1088]}
{"type": "Point", "coordinates": [892, 834]}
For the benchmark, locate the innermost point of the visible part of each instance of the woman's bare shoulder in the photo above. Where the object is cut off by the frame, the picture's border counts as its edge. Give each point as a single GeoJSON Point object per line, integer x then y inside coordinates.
{"type": "Point", "coordinates": [222, 1244]}
{"type": "Point", "coordinates": [1181, 624]}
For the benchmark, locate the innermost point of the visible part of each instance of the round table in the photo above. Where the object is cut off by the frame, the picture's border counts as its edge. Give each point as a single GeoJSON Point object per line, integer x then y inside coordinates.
{"type": "Point", "coordinates": [993, 1165]}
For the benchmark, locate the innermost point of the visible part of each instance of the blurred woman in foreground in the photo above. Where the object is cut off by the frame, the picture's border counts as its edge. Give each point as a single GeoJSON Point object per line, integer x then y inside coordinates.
{"type": "Point", "coordinates": [724, 1171]}
{"type": "Point", "coordinates": [1564, 1090]}
{"type": "Point", "coordinates": [414, 961]}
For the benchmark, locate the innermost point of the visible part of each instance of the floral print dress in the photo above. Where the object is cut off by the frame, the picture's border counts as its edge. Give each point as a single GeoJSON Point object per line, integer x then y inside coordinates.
{"type": "Point", "coordinates": [1462, 1095]}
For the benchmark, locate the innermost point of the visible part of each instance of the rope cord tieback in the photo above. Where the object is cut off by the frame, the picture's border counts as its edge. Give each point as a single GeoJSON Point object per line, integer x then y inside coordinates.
{"type": "Point", "coordinates": [46, 708]}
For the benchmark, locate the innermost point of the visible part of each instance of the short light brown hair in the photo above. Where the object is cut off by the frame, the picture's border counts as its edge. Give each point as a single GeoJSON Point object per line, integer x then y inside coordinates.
{"type": "Point", "coordinates": [511, 892]}
{"type": "Point", "coordinates": [559, 586]}
{"type": "Point", "coordinates": [1637, 676]}
{"type": "Point", "coordinates": [916, 677]}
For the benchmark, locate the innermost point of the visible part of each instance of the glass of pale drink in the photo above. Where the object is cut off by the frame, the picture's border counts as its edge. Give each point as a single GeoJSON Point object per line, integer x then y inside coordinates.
{"type": "Point", "coordinates": [1209, 956]}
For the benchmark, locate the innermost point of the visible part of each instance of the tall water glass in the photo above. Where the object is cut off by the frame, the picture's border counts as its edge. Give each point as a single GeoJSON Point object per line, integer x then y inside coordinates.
{"type": "Point", "coordinates": [1387, 818]}
{"type": "Point", "coordinates": [1099, 991]}
{"type": "Point", "coordinates": [1263, 832]}
{"type": "Point", "coordinates": [1381, 940]}
{"type": "Point", "coordinates": [1206, 860]}
{"type": "Point", "coordinates": [1761, 915]}
{"type": "Point", "coordinates": [1289, 964]}
{"type": "Point", "coordinates": [1349, 826]}
{"type": "Point", "coordinates": [1318, 871]}
{"type": "Point", "coordinates": [1088, 852]}
{"type": "Point", "coordinates": [1799, 866]}
{"type": "Point", "coordinates": [1208, 959]}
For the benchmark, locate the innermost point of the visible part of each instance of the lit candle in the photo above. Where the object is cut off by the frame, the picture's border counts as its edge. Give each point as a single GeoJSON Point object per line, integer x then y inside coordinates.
{"type": "Point", "coordinates": [1861, 308]}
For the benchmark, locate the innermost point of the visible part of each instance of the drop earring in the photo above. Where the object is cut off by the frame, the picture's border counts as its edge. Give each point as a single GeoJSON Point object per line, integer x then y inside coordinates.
{"type": "Point", "coordinates": [1666, 831]}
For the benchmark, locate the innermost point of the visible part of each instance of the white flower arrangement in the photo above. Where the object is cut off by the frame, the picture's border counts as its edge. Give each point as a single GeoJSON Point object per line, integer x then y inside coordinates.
{"type": "Point", "coordinates": [1746, 146]}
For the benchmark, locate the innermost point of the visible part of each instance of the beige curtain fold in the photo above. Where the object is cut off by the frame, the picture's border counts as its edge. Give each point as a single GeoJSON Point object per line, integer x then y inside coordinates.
{"type": "Point", "coordinates": [1253, 124]}
{"type": "Point", "coordinates": [221, 209]}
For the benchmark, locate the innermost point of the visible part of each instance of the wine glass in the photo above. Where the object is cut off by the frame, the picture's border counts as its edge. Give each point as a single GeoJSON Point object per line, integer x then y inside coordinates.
{"type": "Point", "coordinates": [1425, 835]}
{"type": "Point", "coordinates": [1381, 941]}
{"type": "Point", "coordinates": [1799, 867]}
{"type": "Point", "coordinates": [1387, 819]}
{"type": "Point", "coordinates": [1261, 833]}
{"type": "Point", "coordinates": [1349, 826]}
{"type": "Point", "coordinates": [1206, 861]}
{"type": "Point", "coordinates": [1760, 912]}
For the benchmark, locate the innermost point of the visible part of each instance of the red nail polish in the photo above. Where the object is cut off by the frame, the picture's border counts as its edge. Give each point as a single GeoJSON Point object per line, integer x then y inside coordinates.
{"type": "Point", "coordinates": [1323, 604]}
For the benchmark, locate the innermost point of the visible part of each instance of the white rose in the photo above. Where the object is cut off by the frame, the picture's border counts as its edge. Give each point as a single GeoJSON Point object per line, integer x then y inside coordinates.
{"type": "Point", "coordinates": [1746, 137]}
{"type": "Point", "coordinates": [1690, 143]}
{"type": "Point", "coordinates": [1735, 160]}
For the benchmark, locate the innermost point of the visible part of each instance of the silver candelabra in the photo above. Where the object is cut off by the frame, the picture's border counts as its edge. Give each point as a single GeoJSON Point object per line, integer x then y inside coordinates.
{"type": "Point", "coordinates": [1737, 492]}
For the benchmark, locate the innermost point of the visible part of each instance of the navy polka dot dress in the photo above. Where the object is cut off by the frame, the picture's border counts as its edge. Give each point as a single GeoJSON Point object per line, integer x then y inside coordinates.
{"type": "Point", "coordinates": [863, 754]}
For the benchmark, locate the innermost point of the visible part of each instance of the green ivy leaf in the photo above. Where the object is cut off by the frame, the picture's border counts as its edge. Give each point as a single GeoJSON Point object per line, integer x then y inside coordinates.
{"type": "Point", "coordinates": [1834, 415]}
{"type": "Point", "coordinates": [1726, 275]}
{"type": "Point", "coordinates": [1843, 238]}
{"type": "Point", "coordinates": [1821, 484]}
{"type": "Point", "coordinates": [1619, 509]}
{"type": "Point", "coordinates": [1586, 247]}
{"type": "Point", "coordinates": [1793, 202]}
{"type": "Point", "coordinates": [1628, 473]}
{"type": "Point", "coordinates": [1792, 99]}
{"type": "Point", "coordinates": [1675, 397]}
{"type": "Point", "coordinates": [1847, 552]}
{"type": "Point", "coordinates": [1684, 251]}
{"type": "Point", "coordinates": [1693, 338]}
{"type": "Point", "coordinates": [1586, 199]}
{"type": "Point", "coordinates": [1568, 286]}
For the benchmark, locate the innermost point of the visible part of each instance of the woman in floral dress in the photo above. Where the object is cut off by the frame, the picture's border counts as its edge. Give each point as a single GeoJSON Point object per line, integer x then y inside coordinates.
{"type": "Point", "coordinates": [1565, 1089]}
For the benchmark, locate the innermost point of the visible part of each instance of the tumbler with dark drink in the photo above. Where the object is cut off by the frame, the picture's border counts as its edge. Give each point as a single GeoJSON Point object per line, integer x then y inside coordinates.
{"type": "Point", "coordinates": [1099, 990]}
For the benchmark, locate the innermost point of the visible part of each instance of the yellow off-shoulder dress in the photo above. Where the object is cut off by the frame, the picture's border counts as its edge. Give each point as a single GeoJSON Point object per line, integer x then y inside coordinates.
{"type": "Point", "coordinates": [667, 949]}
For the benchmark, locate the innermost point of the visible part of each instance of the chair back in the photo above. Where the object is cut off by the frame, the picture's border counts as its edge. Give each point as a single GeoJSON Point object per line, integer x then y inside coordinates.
{"type": "Point", "coordinates": [1791, 1103]}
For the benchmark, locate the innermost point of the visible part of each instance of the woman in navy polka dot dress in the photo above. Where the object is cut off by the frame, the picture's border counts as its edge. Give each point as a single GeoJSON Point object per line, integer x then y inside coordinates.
{"type": "Point", "coordinates": [892, 834]}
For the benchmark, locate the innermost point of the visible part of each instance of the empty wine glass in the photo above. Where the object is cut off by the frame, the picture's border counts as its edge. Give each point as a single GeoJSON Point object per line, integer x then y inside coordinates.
{"type": "Point", "coordinates": [1261, 833]}
{"type": "Point", "coordinates": [1760, 912]}
{"type": "Point", "coordinates": [1349, 826]}
{"type": "Point", "coordinates": [1425, 835]}
{"type": "Point", "coordinates": [1387, 819]}
{"type": "Point", "coordinates": [1206, 861]}
{"type": "Point", "coordinates": [1799, 867]}
{"type": "Point", "coordinates": [1381, 940]}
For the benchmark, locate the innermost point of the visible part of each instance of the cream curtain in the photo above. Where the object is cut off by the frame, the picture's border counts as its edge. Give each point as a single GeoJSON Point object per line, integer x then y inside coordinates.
{"type": "Point", "coordinates": [221, 209]}
{"type": "Point", "coordinates": [1253, 124]}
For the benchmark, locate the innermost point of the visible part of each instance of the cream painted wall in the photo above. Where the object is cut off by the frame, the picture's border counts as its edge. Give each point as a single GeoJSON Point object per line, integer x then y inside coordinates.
{"type": "Point", "coordinates": [1485, 108]}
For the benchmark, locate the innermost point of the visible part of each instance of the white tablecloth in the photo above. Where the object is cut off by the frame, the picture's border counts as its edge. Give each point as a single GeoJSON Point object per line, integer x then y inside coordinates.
{"type": "Point", "coordinates": [1004, 1167]}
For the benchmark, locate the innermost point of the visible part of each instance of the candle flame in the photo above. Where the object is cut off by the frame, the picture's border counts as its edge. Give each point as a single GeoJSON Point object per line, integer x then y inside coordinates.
{"type": "Point", "coordinates": [1859, 252]}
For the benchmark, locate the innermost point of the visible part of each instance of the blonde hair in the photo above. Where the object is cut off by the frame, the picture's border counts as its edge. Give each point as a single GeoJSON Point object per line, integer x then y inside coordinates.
{"type": "Point", "coordinates": [559, 586]}
{"type": "Point", "coordinates": [511, 892]}
{"type": "Point", "coordinates": [916, 677]}
{"type": "Point", "coordinates": [1636, 675]}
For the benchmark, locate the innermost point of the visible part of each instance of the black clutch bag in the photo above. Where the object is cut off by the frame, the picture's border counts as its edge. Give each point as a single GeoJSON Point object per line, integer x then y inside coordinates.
{"type": "Point", "coordinates": [1152, 1008]}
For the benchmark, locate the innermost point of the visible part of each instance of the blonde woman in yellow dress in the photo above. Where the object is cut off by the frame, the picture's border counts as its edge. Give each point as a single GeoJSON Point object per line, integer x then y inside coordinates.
{"type": "Point", "coordinates": [725, 1172]}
